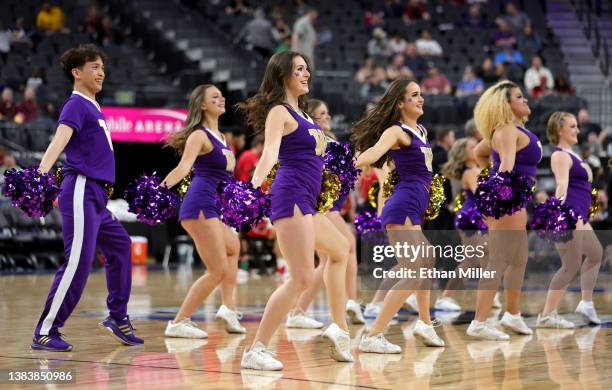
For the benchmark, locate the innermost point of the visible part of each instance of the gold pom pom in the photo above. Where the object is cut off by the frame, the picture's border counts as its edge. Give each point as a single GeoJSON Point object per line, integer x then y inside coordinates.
{"type": "Point", "coordinates": [390, 181]}
{"type": "Point", "coordinates": [110, 190]}
{"type": "Point", "coordinates": [59, 176]}
{"type": "Point", "coordinates": [459, 199]}
{"type": "Point", "coordinates": [330, 191]}
{"type": "Point", "coordinates": [436, 197]}
{"type": "Point", "coordinates": [484, 174]}
{"type": "Point", "coordinates": [373, 194]}
{"type": "Point", "coordinates": [183, 186]}
{"type": "Point", "coordinates": [270, 178]}
{"type": "Point", "coordinates": [594, 207]}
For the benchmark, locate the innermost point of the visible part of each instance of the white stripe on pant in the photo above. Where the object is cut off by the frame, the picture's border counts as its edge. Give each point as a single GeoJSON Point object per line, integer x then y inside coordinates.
{"type": "Point", "coordinates": [78, 201]}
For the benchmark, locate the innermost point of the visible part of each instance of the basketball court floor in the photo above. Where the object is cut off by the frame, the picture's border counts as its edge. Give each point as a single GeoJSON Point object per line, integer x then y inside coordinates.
{"type": "Point", "coordinates": [549, 359]}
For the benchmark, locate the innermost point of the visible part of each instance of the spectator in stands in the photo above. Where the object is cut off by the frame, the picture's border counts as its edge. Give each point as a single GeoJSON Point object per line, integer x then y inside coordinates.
{"type": "Point", "coordinates": [373, 19]}
{"type": "Point", "coordinates": [470, 84]}
{"type": "Point", "coordinates": [587, 154]}
{"type": "Point", "coordinates": [51, 18]}
{"type": "Point", "coordinates": [248, 159]}
{"type": "Point", "coordinates": [436, 82]}
{"type": "Point", "coordinates": [508, 55]}
{"type": "Point", "coordinates": [415, 10]}
{"type": "Point", "coordinates": [587, 127]}
{"type": "Point", "coordinates": [444, 140]}
{"type": "Point", "coordinates": [471, 130]}
{"type": "Point", "coordinates": [300, 8]}
{"type": "Point", "coordinates": [398, 69]}
{"type": "Point", "coordinates": [397, 44]}
{"type": "Point", "coordinates": [8, 109]}
{"type": "Point", "coordinates": [371, 77]}
{"type": "Point", "coordinates": [595, 144]}
{"type": "Point", "coordinates": [36, 79]}
{"type": "Point", "coordinates": [378, 46]}
{"type": "Point", "coordinates": [238, 7]}
{"type": "Point", "coordinates": [414, 61]}
{"type": "Point", "coordinates": [92, 23]}
{"type": "Point", "coordinates": [5, 42]}
{"type": "Point", "coordinates": [19, 33]}
{"type": "Point", "coordinates": [563, 86]}
{"type": "Point", "coordinates": [503, 37]}
{"type": "Point", "coordinates": [8, 162]}
{"type": "Point", "coordinates": [109, 35]}
{"type": "Point", "coordinates": [501, 72]}
{"type": "Point", "coordinates": [486, 71]}
{"type": "Point", "coordinates": [304, 38]}
{"type": "Point", "coordinates": [282, 35]}
{"type": "Point", "coordinates": [427, 46]}
{"type": "Point", "coordinates": [259, 33]}
{"type": "Point", "coordinates": [515, 19]}
{"type": "Point", "coordinates": [238, 141]}
{"type": "Point", "coordinates": [529, 41]}
{"type": "Point", "coordinates": [392, 9]}
{"type": "Point", "coordinates": [474, 17]}
{"type": "Point", "coordinates": [27, 108]}
{"type": "Point", "coordinates": [281, 30]}
{"type": "Point", "coordinates": [538, 79]}
{"type": "Point", "coordinates": [278, 11]}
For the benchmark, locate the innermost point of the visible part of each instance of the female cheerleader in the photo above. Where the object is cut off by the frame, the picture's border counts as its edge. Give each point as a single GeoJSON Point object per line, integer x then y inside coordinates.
{"type": "Point", "coordinates": [500, 115]}
{"type": "Point", "coordinates": [462, 166]}
{"type": "Point", "coordinates": [391, 127]}
{"type": "Point", "coordinates": [573, 177]}
{"type": "Point", "coordinates": [204, 148]}
{"type": "Point", "coordinates": [297, 142]}
{"type": "Point", "coordinates": [318, 110]}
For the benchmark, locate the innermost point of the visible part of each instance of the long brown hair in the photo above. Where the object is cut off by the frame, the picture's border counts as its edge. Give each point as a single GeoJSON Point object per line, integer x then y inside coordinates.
{"type": "Point", "coordinates": [384, 114]}
{"type": "Point", "coordinates": [195, 116]}
{"type": "Point", "coordinates": [272, 90]}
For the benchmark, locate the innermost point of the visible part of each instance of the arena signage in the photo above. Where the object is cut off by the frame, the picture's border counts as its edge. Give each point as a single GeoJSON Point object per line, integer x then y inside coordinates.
{"type": "Point", "coordinates": [134, 124]}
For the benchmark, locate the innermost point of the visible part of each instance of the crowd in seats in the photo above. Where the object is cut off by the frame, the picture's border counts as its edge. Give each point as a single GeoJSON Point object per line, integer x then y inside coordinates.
{"type": "Point", "coordinates": [457, 49]}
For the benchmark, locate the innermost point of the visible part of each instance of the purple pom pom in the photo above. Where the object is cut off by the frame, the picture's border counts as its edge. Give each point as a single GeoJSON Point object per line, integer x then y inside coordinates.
{"type": "Point", "coordinates": [30, 190]}
{"type": "Point", "coordinates": [151, 202]}
{"type": "Point", "coordinates": [241, 205]}
{"type": "Point", "coordinates": [503, 193]}
{"type": "Point", "coordinates": [471, 221]}
{"type": "Point", "coordinates": [367, 221]}
{"type": "Point", "coordinates": [339, 159]}
{"type": "Point", "coordinates": [553, 220]}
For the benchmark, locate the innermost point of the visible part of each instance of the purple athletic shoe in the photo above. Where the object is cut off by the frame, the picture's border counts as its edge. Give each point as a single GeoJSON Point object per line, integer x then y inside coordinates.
{"type": "Point", "coordinates": [52, 342]}
{"type": "Point", "coordinates": [122, 330]}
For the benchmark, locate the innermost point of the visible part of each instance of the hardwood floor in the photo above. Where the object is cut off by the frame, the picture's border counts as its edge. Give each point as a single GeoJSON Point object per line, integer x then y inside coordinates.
{"type": "Point", "coordinates": [580, 358]}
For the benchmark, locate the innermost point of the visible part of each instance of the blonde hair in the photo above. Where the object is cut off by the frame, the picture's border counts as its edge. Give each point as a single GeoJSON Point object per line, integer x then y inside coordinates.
{"type": "Point", "coordinates": [493, 109]}
{"type": "Point", "coordinates": [555, 124]}
{"type": "Point", "coordinates": [453, 169]}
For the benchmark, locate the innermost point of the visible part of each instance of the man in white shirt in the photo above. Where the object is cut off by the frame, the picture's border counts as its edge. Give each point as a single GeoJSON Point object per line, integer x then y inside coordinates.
{"type": "Point", "coordinates": [304, 36]}
{"type": "Point", "coordinates": [538, 78]}
{"type": "Point", "coordinates": [427, 46]}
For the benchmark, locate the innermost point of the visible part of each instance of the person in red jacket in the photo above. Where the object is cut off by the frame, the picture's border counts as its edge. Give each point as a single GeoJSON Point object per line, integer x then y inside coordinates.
{"type": "Point", "coordinates": [248, 160]}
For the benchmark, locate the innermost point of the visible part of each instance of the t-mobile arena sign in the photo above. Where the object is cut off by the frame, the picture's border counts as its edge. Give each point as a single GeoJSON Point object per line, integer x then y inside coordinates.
{"type": "Point", "coordinates": [134, 124]}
